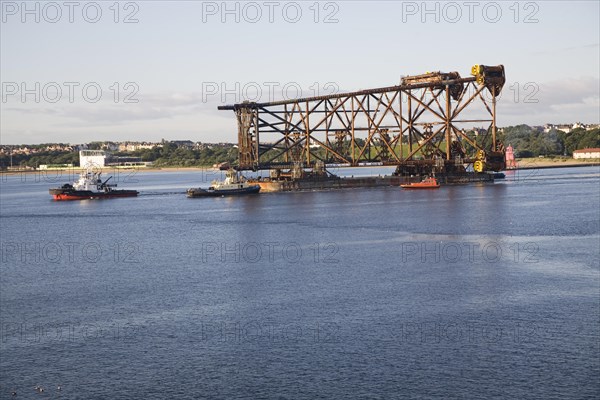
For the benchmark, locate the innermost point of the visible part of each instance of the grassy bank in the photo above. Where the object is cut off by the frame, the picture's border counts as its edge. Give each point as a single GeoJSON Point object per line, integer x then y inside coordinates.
{"type": "Point", "coordinates": [549, 162]}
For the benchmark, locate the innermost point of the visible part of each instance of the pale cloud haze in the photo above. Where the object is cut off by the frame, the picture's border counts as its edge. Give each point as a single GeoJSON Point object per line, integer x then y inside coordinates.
{"type": "Point", "coordinates": [176, 62]}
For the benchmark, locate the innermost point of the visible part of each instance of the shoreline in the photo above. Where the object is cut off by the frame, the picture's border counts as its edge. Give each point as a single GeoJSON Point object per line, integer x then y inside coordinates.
{"type": "Point", "coordinates": [597, 164]}
{"type": "Point", "coordinates": [543, 163]}
{"type": "Point", "coordinates": [525, 164]}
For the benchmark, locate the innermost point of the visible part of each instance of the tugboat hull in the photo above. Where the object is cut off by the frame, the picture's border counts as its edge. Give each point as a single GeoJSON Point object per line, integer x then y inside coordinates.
{"type": "Point", "coordinates": [421, 187]}
{"type": "Point", "coordinates": [89, 186]}
{"type": "Point", "coordinates": [218, 193]}
{"type": "Point", "coordinates": [61, 194]}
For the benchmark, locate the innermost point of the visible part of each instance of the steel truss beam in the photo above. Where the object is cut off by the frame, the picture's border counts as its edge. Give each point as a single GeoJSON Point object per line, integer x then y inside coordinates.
{"type": "Point", "coordinates": [395, 125]}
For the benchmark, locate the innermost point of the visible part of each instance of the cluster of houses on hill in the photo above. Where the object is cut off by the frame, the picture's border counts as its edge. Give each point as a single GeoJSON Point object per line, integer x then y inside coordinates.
{"type": "Point", "coordinates": [132, 146]}
{"type": "Point", "coordinates": [33, 149]}
{"type": "Point", "coordinates": [127, 146]}
{"type": "Point", "coordinates": [566, 128]}
{"type": "Point", "coordinates": [102, 154]}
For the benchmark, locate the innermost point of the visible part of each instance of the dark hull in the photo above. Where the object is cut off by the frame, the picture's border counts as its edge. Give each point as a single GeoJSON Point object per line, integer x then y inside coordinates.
{"type": "Point", "coordinates": [62, 194]}
{"type": "Point", "coordinates": [420, 187]}
{"type": "Point", "coordinates": [218, 193]}
{"type": "Point", "coordinates": [272, 185]}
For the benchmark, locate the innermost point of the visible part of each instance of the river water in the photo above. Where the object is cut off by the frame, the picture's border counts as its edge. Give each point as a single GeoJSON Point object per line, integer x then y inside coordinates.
{"type": "Point", "coordinates": [477, 291]}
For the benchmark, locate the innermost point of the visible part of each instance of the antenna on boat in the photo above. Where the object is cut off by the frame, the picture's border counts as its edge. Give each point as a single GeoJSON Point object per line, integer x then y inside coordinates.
{"type": "Point", "coordinates": [103, 184]}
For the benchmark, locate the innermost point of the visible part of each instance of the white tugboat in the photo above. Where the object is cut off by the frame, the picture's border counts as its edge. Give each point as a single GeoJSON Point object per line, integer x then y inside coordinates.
{"type": "Point", "coordinates": [89, 186]}
{"type": "Point", "coordinates": [234, 184]}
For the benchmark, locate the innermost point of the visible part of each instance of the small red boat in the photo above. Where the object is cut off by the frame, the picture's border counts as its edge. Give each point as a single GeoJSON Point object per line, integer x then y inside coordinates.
{"type": "Point", "coordinates": [427, 183]}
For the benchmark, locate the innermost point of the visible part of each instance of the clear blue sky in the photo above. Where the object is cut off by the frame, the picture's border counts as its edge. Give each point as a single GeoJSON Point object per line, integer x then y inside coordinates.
{"type": "Point", "coordinates": [181, 55]}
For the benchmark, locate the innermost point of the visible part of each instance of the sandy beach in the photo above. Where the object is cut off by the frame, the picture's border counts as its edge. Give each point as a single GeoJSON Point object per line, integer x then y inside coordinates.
{"type": "Point", "coordinates": [554, 162]}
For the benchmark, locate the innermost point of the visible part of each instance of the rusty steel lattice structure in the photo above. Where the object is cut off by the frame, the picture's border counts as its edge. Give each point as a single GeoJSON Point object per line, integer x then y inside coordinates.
{"type": "Point", "coordinates": [417, 125]}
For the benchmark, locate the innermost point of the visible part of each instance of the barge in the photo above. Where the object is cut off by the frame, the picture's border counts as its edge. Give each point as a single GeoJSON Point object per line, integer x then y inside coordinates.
{"type": "Point", "coordinates": [335, 182]}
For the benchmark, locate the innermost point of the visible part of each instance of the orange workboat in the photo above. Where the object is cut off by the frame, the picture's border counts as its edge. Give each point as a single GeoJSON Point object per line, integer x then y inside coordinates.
{"type": "Point", "coordinates": [427, 183]}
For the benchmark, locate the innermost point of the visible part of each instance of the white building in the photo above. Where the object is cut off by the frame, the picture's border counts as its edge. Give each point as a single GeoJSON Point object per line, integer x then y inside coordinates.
{"type": "Point", "coordinates": [587, 153]}
{"type": "Point", "coordinates": [566, 128]}
{"type": "Point", "coordinates": [133, 146]}
{"type": "Point", "coordinates": [92, 158]}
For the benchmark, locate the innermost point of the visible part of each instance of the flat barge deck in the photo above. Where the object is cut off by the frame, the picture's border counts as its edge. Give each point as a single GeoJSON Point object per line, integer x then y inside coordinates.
{"type": "Point", "coordinates": [333, 182]}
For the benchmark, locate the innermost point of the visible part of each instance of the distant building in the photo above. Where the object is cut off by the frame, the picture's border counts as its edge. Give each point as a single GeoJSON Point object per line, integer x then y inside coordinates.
{"type": "Point", "coordinates": [587, 153]}
{"type": "Point", "coordinates": [110, 146]}
{"type": "Point", "coordinates": [134, 146]}
{"type": "Point", "coordinates": [183, 143]}
{"type": "Point", "coordinates": [479, 131]}
{"type": "Point", "coordinates": [102, 159]}
{"type": "Point", "coordinates": [93, 158]}
{"type": "Point", "coordinates": [566, 128]}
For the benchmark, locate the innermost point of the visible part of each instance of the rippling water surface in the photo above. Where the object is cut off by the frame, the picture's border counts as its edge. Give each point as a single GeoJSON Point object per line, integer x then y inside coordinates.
{"type": "Point", "coordinates": [464, 292]}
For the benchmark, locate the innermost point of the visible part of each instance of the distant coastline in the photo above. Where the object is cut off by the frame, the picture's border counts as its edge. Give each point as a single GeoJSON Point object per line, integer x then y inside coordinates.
{"type": "Point", "coordinates": [539, 163]}
{"type": "Point", "coordinates": [77, 170]}
{"type": "Point", "coordinates": [522, 164]}
{"type": "Point", "coordinates": [591, 164]}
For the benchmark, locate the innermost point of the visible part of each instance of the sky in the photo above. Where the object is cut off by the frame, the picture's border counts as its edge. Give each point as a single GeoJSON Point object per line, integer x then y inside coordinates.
{"type": "Point", "coordinates": [81, 71]}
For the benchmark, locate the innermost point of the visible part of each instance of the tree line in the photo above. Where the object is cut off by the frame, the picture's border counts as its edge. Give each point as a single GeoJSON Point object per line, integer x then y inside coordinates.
{"type": "Point", "coordinates": [526, 141]}
{"type": "Point", "coordinates": [532, 142]}
{"type": "Point", "coordinates": [172, 155]}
